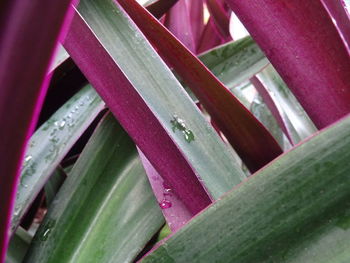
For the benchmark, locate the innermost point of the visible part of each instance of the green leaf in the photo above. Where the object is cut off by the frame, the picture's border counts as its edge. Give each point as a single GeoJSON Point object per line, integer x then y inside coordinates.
{"type": "Point", "coordinates": [250, 139]}
{"type": "Point", "coordinates": [105, 210]}
{"type": "Point", "coordinates": [297, 121]}
{"type": "Point", "coordinates": [18, 246]}
{"type": "Point", "coordinates": [296, 209]}
{"type": "Point", "coordinates": [53, 184]}
{"type": "Point", "coordinates": [235, 62]}
{"type": "Point", "coordinates": [162, 93]}
{"type": "Point", "coordinates": [50, 143]}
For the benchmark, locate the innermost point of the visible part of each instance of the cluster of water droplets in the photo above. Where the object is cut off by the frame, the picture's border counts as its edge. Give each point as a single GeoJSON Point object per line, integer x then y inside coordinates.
{"type": "Point", "coordinates": [65, 124]}
{"type": "Point", "coordinates": [179, 124]}
{"type": "Point", "coordinates": [167, 192]}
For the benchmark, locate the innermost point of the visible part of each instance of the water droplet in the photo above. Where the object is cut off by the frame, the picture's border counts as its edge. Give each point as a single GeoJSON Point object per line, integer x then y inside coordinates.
{"type": "Point", "coordinates": [28, 158]}
{"type": "Point", "coordinates": [165, 204]}
{"type": "Point", "coordinates": [179, 124]}
{"type": "Point", "coordinates": [62, 124]}
{"type": "Point", "coordinates": [47, 229]}
{"type": "Point", "coordinates": [56, 123]}
{"type": "Point", "coordinates": [69, 116]}
{"type": "Point", "coordinates": [81, 103]}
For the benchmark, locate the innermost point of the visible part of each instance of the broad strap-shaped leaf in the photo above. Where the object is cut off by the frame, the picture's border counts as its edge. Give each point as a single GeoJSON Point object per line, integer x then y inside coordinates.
{"type": "Point", "coordinates": [271, 106]}
{"type": "Point", "coordinates": [210, 37]}
{"type": "Point", "coordinates": [50, 143]}
{"type": "Point", "coordinates": [105, 210]}
{"type": "Point", "coordinates": [18, 246]}
{"type": "Point", "coordinates": [303, 44]}
{"type": "Point", "coordinates": [296, 209]}
{"type": "Point", "coordinates": [235, 62]}
{"type": "Point", "coordinates": [336, 9]}
{"type": "Point", "coordinates": [178, 21]}
{"type": "Point", "coordinates": [253, 143]}
{"type": "Point", "coordinates": [29, 31]}
{"type": "Point", "coordinates": [160, 7]}
{"type": "Point", "coordinates": [174, 210]}
{"type": "Point", "coordinates": [150, 103]}
{"type": "Point", "coordinates": [294, 116]}
{"type": "Point", "coordinates": [196, 19]}
{"type": "Point", "coordinates": [220, 17]}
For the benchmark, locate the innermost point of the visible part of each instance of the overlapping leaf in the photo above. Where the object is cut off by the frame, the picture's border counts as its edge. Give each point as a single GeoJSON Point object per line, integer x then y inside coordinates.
{"type": "Point", "coordinates": [105, 210]}
{"type": "Point", "coordinates": [296, 209]}
{"type": "Point", "coordinates": [247, 135]}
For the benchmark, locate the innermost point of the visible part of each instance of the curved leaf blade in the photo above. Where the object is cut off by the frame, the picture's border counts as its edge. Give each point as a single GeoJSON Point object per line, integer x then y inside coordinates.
{"type": "Point", "coordinates": [252, 141]}
{"type": "Point", "coordinates": [297, 202]}
{"type": "Point", "coordinates": [25, 52]}
{"type": "Point", "coordinates": [303, 44]}
{"type": "Point", "coordinates": [105, 210]}
{"type": "Point", "coordinates": [50, 143]}
{"type": "Point", "coordinates": [160, 99]}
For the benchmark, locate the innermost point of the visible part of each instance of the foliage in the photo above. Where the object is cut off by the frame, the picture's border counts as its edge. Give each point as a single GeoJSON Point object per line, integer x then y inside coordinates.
{"type": "Point", "coordinates": [163, 137]}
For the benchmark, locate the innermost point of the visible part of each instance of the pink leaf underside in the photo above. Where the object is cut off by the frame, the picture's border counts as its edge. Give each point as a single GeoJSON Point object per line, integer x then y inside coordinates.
{"type": "Point", "coordinates": [29, 33]}
{"type": "Point", "coordinates": [134, 115]}
{"type": "Point", "coordinates": [177, 20]}
{"type": "Point", "coordinates": [336, 9]}
{"type": "Point", "coordinates": [220, 17]}
{"type": "Point", "coordinates": [210, 37]}
{"type": "Point", "coordinates": [303, 44]}
{"type": "Point", "coordinates": [271, 105]}
{"type": "Point", "coordinates": [173, 209]}
{"type": "Point", "coordinates": [254, 144]}
{"type": "Point", "coordinates": [160, 7]}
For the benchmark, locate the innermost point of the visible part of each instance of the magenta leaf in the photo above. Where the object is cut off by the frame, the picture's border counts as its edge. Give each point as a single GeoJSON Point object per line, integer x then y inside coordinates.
{"type": "Point", "coordinates": [133, 114]}
{"type": "Point", "coordinates": [210, 37]}
{"type": "Point", "coordinates": [160, 7]}
{"type": "Point", "coordinates": [303, 44]}
{"type": "Point", "coordinates": [271, 105]}
{"type": "Point", "coordinates": [336, 9]}
{"type": "Point", "coordinates": [177, 20]}
{"type": "Point", "coordinates": [220, 17]}
{"type": "Point", "coordinates": [252, 141]}
{"type": "Point", "coordinates": [29, 33]}
{"type": "Point", "coordinates": [173, 209]}
{"type": "Point", "coordinates": [196, 19]}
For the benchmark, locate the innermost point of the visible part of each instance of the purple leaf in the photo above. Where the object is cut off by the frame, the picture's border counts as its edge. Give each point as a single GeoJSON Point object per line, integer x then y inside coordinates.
{"type": "Point", "coordinates": [303, 44]}
{"type": "Point", "coordinates": [134, 114]}
{"type": "Point", "coordinates": [254, 144]}
{"type": "Point", "coordinates": [271, 105]}
{"type": "Point", "coordinates": [160, 7]}
{"type": "Point", "coordinates": [177, 20]}
{"type": "Point", "coordinates": [173, 209]}
{"type": "Point", "coordinates": [210, 37]}
{"type": "Point", "coordinates": [196, 19]}
{"type": "Point", "coordinates": [29, 33]}
{"type": "Point", "coordinates": [336, 9]}
{"type": "Point", "coordinates": [220, 17]}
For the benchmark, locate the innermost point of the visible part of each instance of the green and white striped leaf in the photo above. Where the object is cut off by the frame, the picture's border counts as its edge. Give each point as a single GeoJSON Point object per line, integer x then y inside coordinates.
{"type": "Point", "coordinates": [296, 120]}
{"type": "Point", "coordinates": [296, 209]}
{"type": "Point", "coordinates": [50, 143]}
{"type": "Point", "coordinates": [105, 211]}
{"type": "Point", "coordinates": [155, 83]}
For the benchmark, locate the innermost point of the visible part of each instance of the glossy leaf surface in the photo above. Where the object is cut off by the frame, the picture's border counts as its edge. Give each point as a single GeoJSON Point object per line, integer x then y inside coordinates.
{"type": "Point", "coordinates": [50, 143]}
{"type": "Point", "coordinates": [303, 44]}
{"type": "Point", "coordinates": [296, 209]}
{"type": "Point", "coordinates": [105, 210]}
{"type": "Point", "coordinates": [253, 143]}
{"type": "Point", "coordinates": [29, 31]}
{"type": "Point", "coordinates": [168, 106]}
